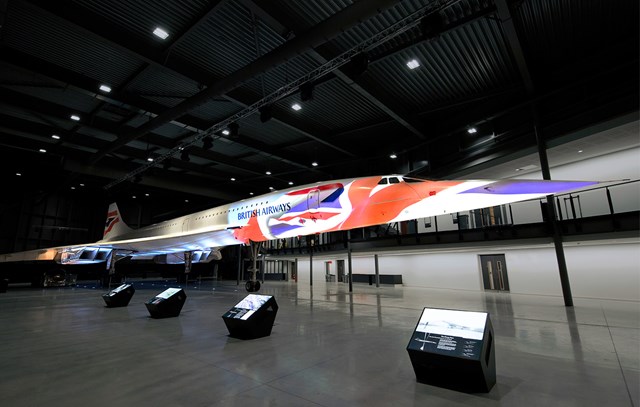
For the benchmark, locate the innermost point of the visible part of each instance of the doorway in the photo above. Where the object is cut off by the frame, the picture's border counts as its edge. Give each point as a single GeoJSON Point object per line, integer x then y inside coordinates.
{"type": "Point", "coordinates": [494, 272]}
{"type": "Point", "coordinates": [340, 271]}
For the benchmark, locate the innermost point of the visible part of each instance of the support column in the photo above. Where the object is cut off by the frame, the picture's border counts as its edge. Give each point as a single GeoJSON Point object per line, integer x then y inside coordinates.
{"type": "Point", "coordinates": [349, 261]}
{"type": "Point", "coordinates": [375, 258]}
{"type": "Point", "coordinates": [557, 233]}
{"type": "Point", "coordinates": [310, 264]}
{"type": "Point", "coordinates": [239, 262]}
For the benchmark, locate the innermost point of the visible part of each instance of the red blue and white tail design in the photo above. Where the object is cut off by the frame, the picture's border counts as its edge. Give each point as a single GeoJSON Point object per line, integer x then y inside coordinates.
{"type": "Point", "coordinates": [114, 225]}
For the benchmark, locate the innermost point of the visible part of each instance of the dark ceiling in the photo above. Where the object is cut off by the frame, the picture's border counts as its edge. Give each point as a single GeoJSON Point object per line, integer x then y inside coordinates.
{"type": "Point", "coordinates": [487, 64]}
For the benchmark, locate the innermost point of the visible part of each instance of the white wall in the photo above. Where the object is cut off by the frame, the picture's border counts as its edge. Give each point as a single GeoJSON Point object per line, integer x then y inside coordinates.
{"type": "Point", "coordinates": [602, 270]}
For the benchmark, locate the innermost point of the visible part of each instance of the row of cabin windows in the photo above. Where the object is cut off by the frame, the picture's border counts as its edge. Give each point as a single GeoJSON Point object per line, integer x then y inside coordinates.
{"type": "Point", "coordinates": [232, 210]}
{"type": "Point", "coordinates": [163, 226]}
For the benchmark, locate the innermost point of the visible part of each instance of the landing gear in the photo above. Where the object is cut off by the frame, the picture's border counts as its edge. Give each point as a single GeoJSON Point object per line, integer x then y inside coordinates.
{"type": "Point", "coordinates": [252, 286]}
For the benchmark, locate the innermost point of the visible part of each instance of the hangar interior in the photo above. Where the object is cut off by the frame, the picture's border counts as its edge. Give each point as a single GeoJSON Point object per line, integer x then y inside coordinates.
{"type": "Point", "coordinates": [172, 107]}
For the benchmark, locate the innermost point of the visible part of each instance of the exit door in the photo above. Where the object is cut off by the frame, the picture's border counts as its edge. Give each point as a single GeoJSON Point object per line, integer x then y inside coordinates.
{"type": "Point", "coordinates": [494, 272]}
{"type": "Point", "coordinates": [313, 200]}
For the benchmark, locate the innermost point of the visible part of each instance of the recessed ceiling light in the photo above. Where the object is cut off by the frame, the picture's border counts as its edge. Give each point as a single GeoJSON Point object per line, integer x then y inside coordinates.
{"type": "Point", "coordinates": [73, 187]}
{"type": "Point", "coordinates": [150, 159]}
{"type": "Point", "coordinates": [75, 117]}
{"type": "Point", "coordinates": [268, 172]}
{"type": "Point", "coordinates": [225, 132]}
{"type": "Point", "coordinates": [290, 182]}
{"type": "Point", "coordinates": [134, 197]}
{"type": "Point", "coordinates": [18, 174]}
{"type": "Point", "coordinates": [271, 188]}
{"type": "Point", "coordinates": [393, 156]}
{"type": "Point", "coordinates": [517, 169]}
{"type": "Point", "coordinates": [159, 32]}
{"type": "Point", "coordinates": [81, 185]}
{"type": "Point", "coordinates": [105, 88]}
{"type": "Point", "coordinates": [233, 179]}
{"type": "Point", "coordinates": [315, 164]}
{"type": "Point", "coordinates": [250, 193]}
{"type": "Point", "coordinates": [296, 106]}
{"type": "Point", "coordinates": [146, 194]}
{"type": "Point", "coordinates": [55, 136]}
{"type": "Point", "coordinates": [579, 151]}
{"type": "Point", "coordinates": [42, 150]}
{"type": "Point", "coordinates": [413, 64]}
{"type": "Point", "coordinates": [472, 130]}
{"type": "Point", "coordinates": [186, 200]}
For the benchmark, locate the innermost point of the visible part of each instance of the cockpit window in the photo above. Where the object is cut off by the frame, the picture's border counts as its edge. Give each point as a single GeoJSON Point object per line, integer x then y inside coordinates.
{"type": "Point", "coordinates": [383, 181]}
{"type": "Point", "coordinates": [394, 180]}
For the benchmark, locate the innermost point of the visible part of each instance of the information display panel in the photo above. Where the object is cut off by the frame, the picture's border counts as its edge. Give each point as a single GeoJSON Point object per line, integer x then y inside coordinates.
{"type": "Point", "coordinates": [253, 317]}
{"type": "Point", "coordinates": [167, 303]}
{"type": "Point", "coordinates": [450, 332]}
{"type": "Point", "coordinates": [119, 296]}
{"type": "Point", "coordinates": [454, 349]}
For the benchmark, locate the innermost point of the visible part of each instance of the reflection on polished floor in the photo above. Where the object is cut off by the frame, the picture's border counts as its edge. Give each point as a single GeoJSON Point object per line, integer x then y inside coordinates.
{"type": "Point", "coordinates": [61, 346]}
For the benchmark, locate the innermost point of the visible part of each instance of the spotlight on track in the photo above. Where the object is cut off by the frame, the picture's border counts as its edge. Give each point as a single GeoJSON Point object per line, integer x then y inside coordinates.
{"type": "Point", "coordinates": [266, 113]}
{"type": "Point", "coordinates": [184, 156]}
{"type": "Point", "coordinates": [207, 143]}
{"type": "Point", "coordinates": [306, 91]}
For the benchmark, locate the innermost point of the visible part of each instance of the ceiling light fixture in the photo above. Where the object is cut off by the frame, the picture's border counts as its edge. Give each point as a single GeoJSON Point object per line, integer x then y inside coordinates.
{"type": "Point", "coordinates": [413, 64]}
{"type": "Point", "coordinates": [393, 156]}
{"type": "Point", "coordinates": [73, 187]}
{"type": "Point", "coordinates": [55, 136]}
{"type": "Point", "coordinates": [225, 132]}
{"type": "Point", "coordinates": [75, 117]}
{"type": "Point", "coordinates": [18, 174]}
{"type": "Point", "coordinates": [159, 32]}
{"type": "Point", "coordinates": [472, 130]}
{"type": "Point", "coordinates": [233, 179]}
{"type": "Point", "coordinates": [290, 182]}
{"type": "Point", "coordinates": [105, 88]}
{"type": "Point", "coordinates": [315, 164]}
{"type": "Point", "coordinates": [579, 151]}
{"type": "Point", "coordinates": [296, 106]}
{"type": "Point", "coordinates": [150, 159]}
{"type": "Point", "coordinates": [251, 193]}
{"type": "Point", "coordinates": [42, 150]}
{"type": "Point", "coordinates": [271, 188]}
{"type": "Point", "coordinates": [268, 172]}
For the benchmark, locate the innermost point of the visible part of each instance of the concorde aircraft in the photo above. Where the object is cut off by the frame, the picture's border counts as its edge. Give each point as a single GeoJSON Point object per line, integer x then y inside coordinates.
{"type": "Point", "coordinates": [315, 208]}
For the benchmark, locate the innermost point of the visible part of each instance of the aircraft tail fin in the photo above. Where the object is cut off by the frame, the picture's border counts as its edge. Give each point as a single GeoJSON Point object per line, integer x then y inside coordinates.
{"type": "Point", "coordinates": [115, 225]}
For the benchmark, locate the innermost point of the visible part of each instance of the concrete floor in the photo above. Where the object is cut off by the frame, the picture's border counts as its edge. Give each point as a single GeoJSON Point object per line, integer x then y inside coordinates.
{"type": "Point", "coordinates": [62, 347]}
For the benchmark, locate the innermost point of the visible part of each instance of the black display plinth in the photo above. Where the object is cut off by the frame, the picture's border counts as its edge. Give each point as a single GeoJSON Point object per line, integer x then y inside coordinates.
{"type": "Point", "coordinates": [454, 349]}
{"type": "Point", "coordinates": [252, 317]}
{"type": "Point", "coordinates": [167, 304]}
{"type": "Point", "coordinates": [119, 297]}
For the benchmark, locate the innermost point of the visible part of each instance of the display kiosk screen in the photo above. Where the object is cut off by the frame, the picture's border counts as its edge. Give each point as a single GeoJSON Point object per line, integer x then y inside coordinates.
{"type": "Point", "coordinates": [247, 307]}
{"type": "Point", "coordinates": [253, 301]}
{"type": "Point", "coordinates": [120, 288]}
{"type": "Point", "coordinates": [450, 332]}
{"type": "Point", "coordinates": [168, 293]}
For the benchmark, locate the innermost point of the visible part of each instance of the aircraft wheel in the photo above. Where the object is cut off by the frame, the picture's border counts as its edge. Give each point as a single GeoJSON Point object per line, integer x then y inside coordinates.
{"type": "Point", "coordinates": [252, 286]}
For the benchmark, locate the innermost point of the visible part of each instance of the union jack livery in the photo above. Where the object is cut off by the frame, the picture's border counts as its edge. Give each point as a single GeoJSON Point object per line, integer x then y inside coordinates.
{"type": "Point", "coordinates": [316, 208]}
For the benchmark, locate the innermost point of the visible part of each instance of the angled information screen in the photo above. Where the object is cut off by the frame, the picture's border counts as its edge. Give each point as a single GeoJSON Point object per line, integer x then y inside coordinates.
{"type": "Point", "coordinates": [450, 333]}
{"type": "Point", "coordinates": [247, 307]}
